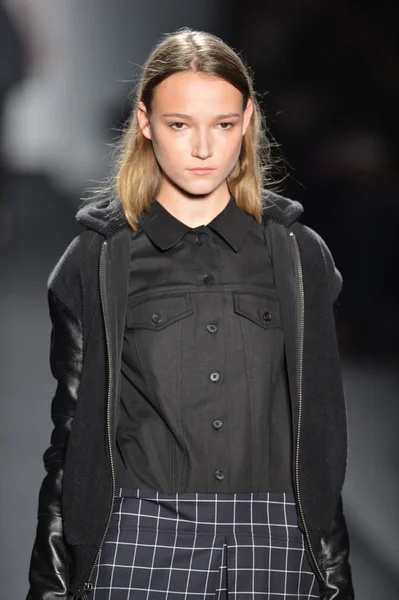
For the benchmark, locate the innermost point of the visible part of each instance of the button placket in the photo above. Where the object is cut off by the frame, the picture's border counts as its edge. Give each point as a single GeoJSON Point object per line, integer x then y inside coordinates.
{"type": "Point", "coordinates": [215, 427]}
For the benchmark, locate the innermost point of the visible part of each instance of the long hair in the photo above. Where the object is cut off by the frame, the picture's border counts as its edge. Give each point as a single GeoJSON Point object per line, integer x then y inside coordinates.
{"type": "Point", "coordinates": [137, 174]}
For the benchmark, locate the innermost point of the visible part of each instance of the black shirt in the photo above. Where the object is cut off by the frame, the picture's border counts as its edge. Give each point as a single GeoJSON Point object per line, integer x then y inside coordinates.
{"type": "Point", "coordinates": [204, 404]}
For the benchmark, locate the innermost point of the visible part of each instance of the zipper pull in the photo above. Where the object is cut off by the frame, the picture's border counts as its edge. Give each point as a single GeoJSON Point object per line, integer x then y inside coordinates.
{"type": "Point", "coordinates": [88, 586]}
{"type": "Point", "coordinates": [86, 589]}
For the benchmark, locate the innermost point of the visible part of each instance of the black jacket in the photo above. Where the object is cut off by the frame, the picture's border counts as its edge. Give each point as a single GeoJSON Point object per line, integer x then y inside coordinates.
{"type": "Point", "coordinates": [87, 294]}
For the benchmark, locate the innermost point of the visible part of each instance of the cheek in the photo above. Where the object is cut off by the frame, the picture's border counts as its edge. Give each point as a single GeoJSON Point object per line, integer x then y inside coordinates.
{"type": "Point", "coordinates": [169, 150]}
{"type": "Point", "coordinates": [232, 148]}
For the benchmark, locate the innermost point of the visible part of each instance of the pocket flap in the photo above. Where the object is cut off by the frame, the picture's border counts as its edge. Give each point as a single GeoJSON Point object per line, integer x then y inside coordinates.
{"type": "Point", "coordinates": [262, 310]}
{"type": "Point", "coordinates": [157, 313]}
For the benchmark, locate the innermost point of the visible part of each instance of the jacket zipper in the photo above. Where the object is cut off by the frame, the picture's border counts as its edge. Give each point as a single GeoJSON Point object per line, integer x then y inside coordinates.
{"type": "Point", "coordinates": [88, 586]}
{"type": "Point", "coordinates": [300, 367]}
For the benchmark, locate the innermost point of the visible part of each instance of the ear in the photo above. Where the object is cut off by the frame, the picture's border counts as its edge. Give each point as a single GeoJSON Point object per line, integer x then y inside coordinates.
{"type": "Point", "coordinates": [247, 115]}
{"type": "Point", "coordinates": [143, 120]}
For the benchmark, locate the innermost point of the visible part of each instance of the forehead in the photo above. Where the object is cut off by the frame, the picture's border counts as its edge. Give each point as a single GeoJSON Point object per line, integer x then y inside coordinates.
{"type": "Point", "coordinates": [190, 92]}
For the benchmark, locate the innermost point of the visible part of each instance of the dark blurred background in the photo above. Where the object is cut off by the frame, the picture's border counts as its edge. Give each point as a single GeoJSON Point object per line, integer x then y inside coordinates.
{"type": "Point", "coordinates": [327, 73]}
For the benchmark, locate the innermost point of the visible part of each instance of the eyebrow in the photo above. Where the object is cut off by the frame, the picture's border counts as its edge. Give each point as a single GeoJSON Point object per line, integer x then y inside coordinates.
{"type": "Point", "coordinates": [183, 116]}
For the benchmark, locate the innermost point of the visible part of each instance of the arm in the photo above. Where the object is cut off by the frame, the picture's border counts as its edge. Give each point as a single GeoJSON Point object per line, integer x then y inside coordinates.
{"type": "Point", "coordinates": [50, 560]}
{"type": "Point", "coordinates": [335, 541]}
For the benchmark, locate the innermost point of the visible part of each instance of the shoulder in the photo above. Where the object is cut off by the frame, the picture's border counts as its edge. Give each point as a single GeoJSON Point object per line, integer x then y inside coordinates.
{"type": "Point", "coordinates": [76, 266]}
{"type": "Point", "coordinates": [314, 249]}
{"type": "Point", "coordinates": [315, 254]}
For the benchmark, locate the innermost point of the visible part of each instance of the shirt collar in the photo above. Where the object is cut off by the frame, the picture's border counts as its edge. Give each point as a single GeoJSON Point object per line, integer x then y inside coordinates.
{"type": "Point", "coordinates": [165, 230]}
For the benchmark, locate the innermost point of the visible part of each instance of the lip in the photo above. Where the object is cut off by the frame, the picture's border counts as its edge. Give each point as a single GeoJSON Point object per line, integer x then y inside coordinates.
{"type": "Point", "coordinates": [201, 171]}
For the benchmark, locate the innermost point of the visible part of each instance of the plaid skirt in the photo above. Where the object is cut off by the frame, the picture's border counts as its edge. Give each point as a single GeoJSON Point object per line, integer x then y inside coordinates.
{"type": "Point", "coordinates": [203, 545]}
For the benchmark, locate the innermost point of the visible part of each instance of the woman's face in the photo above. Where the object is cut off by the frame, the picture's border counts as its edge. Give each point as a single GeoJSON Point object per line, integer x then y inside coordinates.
{"type": "Point", "coordinates": [197, 122]}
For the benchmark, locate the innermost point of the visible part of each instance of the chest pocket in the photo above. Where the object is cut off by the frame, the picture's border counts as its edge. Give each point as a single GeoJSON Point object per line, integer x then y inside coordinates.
{"type": "Point", "coordinates": [157, 313]}
{"type": "Point", "coordinates": [261, 310]}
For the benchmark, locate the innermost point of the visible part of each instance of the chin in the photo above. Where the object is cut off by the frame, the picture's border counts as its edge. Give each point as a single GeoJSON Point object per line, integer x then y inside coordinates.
{"type": "Point", "coordinates": [200, 188]}
{"type": "Point", "coordinates": [203, 192]}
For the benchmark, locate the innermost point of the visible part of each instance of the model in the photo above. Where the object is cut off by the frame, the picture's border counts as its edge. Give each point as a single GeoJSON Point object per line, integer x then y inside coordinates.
{"type": "Point", "coordinates": [200, 443]}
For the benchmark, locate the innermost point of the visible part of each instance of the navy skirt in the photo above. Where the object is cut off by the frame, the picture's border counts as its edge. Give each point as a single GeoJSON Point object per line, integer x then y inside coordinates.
{"type": "Point", "coordinates": [203, 545]}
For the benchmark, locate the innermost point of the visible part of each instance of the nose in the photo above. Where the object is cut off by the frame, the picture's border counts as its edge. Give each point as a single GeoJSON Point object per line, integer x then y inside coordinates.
{"type": "Point", "coordinates": [202, 145]}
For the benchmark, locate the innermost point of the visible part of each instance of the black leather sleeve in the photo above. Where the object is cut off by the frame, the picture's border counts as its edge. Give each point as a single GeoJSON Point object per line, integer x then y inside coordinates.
{"type": "Point", "coordinates": [334, 560]}
{"type": "Point", "coordinates": [51, 561]}
{"type": "Point", "coordinates": [334, 555]}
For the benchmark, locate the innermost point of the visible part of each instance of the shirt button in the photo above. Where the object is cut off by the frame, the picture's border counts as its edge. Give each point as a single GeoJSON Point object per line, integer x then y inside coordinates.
{"type": "Point", "coordinates": [207, 278]}
{"type": "Point", "coordinates": [156, 318]}
{"type": "Point", "coordinates": [220, 475]}
{"type": "Point", "coordinates": [217, 424]}
{"type": "Point", "coordinates": [267, 317]}
{"type": "Point", "coordinates": [199, 239]}
{"type": "Point", "coordinates": [212, 328]}
{"type": "Point", "coordinates": [214, 376]}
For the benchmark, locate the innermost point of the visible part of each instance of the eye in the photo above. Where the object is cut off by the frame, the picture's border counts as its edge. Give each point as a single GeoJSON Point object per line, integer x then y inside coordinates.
{"type": "Point", "coordinates": [177, 126]}
{"type": "Point", "coordinates": [229, 125]}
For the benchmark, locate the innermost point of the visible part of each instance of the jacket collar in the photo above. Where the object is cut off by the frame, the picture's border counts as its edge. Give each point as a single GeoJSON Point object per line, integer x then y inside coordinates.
{"type": "Point", "coordinates": [106, 216]}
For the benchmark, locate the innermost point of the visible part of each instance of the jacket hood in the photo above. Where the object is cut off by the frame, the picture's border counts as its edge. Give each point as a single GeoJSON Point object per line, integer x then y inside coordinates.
{"type": "Point", "coordinates": [106, 215]}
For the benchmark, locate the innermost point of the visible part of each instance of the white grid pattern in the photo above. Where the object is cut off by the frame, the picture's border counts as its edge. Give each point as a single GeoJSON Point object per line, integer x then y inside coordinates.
{"type": "Point", "coordinates": [196, 545]}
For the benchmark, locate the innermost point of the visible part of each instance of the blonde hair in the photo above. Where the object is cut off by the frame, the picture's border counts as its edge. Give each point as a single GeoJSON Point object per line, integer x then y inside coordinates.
{"type": "Point", "coordinates": [137, 174]}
